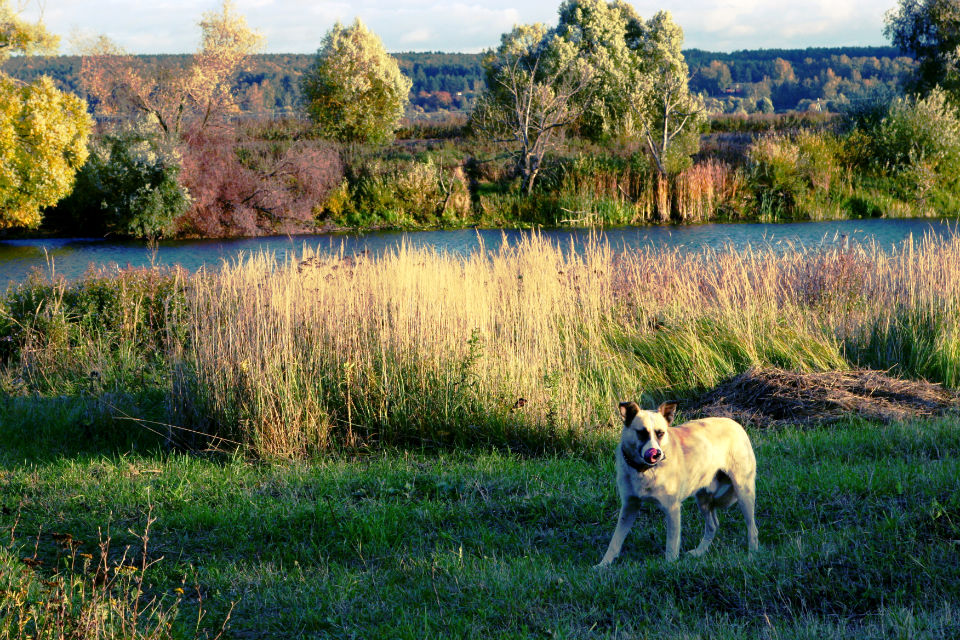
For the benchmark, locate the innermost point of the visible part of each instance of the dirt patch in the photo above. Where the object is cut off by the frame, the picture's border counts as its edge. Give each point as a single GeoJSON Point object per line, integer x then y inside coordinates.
{"type": "Point", "coordinates": [771, 397]}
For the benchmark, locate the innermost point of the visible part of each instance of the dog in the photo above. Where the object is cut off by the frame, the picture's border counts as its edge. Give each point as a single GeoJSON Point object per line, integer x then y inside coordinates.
{"type": "Point", "coordinates": [710, 458]}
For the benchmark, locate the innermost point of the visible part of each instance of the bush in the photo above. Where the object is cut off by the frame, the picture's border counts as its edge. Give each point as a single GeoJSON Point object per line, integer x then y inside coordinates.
{"type": "Point", "coordinates": [249, 188]}
{"type": "Point", "coordinates": [794, 174]}
{"type": "Point", "coordinates": [398, 192]}
{"type": "Point", "coordinates": [129, 186]}
{"type": "Point", "coordinates": [54, 334]}
{"type": "Point", "coordinates": [915, 141]}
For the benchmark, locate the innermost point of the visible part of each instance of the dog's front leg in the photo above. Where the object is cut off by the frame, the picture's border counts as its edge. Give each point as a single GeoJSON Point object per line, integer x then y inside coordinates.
{"type": "Point", "coordinates": [628, 513]}
{"type": "Point", "coordinates": [672, 511]}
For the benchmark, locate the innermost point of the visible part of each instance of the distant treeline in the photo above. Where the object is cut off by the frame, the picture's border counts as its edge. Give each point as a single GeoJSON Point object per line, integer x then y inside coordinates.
{"type": "Point", "coordinates": [816, 78]}
{"type": "Point", "coordinates": [741, 81]}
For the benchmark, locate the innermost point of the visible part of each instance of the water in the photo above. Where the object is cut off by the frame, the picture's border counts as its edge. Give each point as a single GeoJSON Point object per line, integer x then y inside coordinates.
{"type": "Point", "coordinates": [72, 257]}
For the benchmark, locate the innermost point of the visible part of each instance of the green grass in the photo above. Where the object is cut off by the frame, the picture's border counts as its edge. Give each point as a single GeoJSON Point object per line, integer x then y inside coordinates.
{"type": "Point", "coordinates": [859, 531]}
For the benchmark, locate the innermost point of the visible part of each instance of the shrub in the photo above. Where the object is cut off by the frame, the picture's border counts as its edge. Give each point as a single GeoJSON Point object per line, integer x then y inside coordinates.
{"type": "Point", "coordinates": [249, 188]}
{"type": "Point", "coordinates": [398, 192]}
{"type": "Point", "coordinates": [55, 334]}
{"type": "Point", "coordinates": [129, 186]}
{"type": "Point", "coordinates": [916, 141]}
{"type": "Point", "coordinates": [794, 174]}
{"type": "Point", "coordinates": [355, 91]}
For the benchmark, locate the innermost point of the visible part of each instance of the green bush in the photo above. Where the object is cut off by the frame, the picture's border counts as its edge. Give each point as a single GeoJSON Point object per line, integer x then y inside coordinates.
{"type": "Point", "coordinates": [795, 176]}
{"type": "Point", "coordinates": [398, 191]}
{"type": "Point", "coordinates": [129, 187]}
{"type": "Point", "coordinates": [913, 141]}
{"type": "Point", "coordinates": [55, 333]}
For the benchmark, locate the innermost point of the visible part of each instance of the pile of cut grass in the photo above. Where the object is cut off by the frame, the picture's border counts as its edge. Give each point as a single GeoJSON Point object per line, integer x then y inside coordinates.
{"type": "Point", "coordinates": [768, 397]}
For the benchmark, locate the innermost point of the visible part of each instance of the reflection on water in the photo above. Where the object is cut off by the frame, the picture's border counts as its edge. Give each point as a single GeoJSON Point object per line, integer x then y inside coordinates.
{"type": "Point", "coordinates": [72, 257]}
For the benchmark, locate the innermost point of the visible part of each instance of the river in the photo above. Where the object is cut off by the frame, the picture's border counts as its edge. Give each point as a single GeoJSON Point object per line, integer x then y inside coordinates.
{"type": "Point", "coordinates": [71, 257]}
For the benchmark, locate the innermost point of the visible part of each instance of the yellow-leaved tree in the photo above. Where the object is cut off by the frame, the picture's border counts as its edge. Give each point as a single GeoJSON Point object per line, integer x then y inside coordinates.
{"type": "Point", "coordinates": [165, 93]}
{"type": "Point", "coordinates": [43, 131]}
{"type": "Point", "coordinates": [355, 91]}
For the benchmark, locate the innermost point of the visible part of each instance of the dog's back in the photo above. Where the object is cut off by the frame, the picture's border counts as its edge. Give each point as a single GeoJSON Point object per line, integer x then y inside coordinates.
{"type": "Point", "coordinates": [720, 443]}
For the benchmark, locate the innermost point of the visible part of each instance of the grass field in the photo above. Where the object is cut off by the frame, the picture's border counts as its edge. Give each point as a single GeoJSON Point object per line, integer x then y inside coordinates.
{"type": "Point", "coordinates": [859, 531]}
{"type": "Point", "coordinates": [386, 482]}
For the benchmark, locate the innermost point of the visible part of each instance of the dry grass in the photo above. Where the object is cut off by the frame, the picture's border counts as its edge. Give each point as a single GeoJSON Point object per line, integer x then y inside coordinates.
{"type": "Point", "coordinates": [709, 189]}
{"type": "Point", "coordinates": [85, 595]}
{"type": "Point", "coordinates": [532, 345]}
{"type": "Point", "coordinates": [706, 191]}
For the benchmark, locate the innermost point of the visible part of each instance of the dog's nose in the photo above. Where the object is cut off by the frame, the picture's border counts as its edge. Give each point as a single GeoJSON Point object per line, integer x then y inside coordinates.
{"type": "Point", "coordinates": [652, 455]}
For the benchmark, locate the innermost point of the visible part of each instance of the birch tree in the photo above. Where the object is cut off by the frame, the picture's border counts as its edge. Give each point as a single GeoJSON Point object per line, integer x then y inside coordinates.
{"type": "Point", "coordinates": [602, 72]}
{"type": "Point", "coordinates": [532, 82]}
{"type": "Point", "coordinates": [168, 95]}
{"type": "Point", "coordinates": [668, 114]}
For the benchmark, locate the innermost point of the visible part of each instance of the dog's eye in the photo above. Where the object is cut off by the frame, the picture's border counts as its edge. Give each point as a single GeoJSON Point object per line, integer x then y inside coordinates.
{"type": "Point", "coordinates": [659, 433]}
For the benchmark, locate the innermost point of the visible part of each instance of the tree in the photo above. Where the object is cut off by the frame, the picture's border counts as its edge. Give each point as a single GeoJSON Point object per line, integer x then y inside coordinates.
{"type": "Point", "coordinates": [668, 114]}
{"type": "Point", "coordinates": [640, 80]}
{"type": "Point", "coordinates": [43, 131]}
{"type": "Point", "coordinates": [930, 31]}
{"type": "Point", "coordinates": [128, 187]}
{"type": "Point", "coordinates": [530, 97]}
{"type": "Point", "coordinates": [355, 91]}
{"type": "Point", "coordinates": [169, 94]}
{"type": "Point", "coordinates": [604, 71]}
{"type": "Point", "coordinates": [603, 36]}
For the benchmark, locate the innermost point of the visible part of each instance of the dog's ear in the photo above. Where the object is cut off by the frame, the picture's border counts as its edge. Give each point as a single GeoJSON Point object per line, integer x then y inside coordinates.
{"type": "Point", "coordinates": [668, 410]}
{"type": "Point", "coordinates": [629, 411]}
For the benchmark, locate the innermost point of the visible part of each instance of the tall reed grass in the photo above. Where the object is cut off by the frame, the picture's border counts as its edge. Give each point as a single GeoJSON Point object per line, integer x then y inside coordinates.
{"type": "Point", "coordinates": [529, 346]}
{"type": "Point", "coordinates": [610, 190]}
{"type": "Point", "coordinates": [532, 345]}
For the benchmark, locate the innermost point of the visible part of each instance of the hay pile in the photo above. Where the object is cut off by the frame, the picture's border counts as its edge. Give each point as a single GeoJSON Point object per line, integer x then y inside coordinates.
{"type": "Point", "coordinates": [771, 397]}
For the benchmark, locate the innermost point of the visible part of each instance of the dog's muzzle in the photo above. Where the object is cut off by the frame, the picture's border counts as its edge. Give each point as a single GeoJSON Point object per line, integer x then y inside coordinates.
{"type": "Point", "coordinates": [652, 456]}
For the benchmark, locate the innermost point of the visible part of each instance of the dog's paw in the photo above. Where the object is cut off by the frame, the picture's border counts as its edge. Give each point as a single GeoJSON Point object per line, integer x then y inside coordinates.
{"type": "Point", "coordinates": [603, 564]}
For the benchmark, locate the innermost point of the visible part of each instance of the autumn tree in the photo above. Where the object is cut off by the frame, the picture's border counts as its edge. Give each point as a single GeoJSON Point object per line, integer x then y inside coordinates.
{"type": "Point", "coordinates": [43, 131]}
{"type": "Point", "coordinates": [617, 75]}
{"type": "Point", "coordinates": [355, 91]}
{"type": "Point", "coordinates": [168, 95]}
{"type": "Point", "coordinates": [532, 85]}
{"type": "Point", "coordinates": [929, 30]}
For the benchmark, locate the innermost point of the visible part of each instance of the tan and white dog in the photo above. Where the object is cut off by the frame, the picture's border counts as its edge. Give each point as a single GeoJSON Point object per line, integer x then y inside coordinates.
{"type": "Point", "coordinates": [710, 458]}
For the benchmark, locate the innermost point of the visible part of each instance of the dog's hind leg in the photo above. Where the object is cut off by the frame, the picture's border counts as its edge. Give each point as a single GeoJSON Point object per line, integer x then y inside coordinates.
{"type": "Point", "coordinates": [628, 513]}
{"type": "Point", "coordinates": [710, 523]}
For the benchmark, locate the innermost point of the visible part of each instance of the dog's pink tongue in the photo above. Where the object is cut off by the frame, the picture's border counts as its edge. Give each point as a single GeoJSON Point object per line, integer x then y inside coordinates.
{"type": "Point", "coordinates": [651, 455]}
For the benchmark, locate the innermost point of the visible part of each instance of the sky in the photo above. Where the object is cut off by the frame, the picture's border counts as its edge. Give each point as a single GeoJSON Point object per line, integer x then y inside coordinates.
{"type": "Point", "coordinates": [298, 26]}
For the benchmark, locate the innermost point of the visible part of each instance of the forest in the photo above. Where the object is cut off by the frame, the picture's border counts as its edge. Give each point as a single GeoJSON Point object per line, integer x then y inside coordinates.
{"type": "Point", "coordinates": [819, 79]}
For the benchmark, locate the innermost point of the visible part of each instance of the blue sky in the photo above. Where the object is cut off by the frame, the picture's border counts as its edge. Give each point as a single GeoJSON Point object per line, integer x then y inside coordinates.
{"type": "Point", "coordinates": [297, 26]}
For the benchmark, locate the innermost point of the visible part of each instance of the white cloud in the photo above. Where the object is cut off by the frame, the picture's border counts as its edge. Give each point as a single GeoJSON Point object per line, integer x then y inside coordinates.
{"type": "Point", "coordinates": [416, 36]}
{"type": "Point", "coordinates": [299, 25]}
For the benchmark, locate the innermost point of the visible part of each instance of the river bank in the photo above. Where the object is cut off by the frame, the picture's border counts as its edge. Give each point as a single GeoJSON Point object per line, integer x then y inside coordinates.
{"type": "Point", "coordinates": [72, 257]}
{"type": "Point", "coordinates": [323, 350]}
{"type": "Point", "coordinates": [275, 177]}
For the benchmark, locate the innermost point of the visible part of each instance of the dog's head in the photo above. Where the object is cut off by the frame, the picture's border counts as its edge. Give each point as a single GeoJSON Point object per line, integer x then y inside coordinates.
{"type": "Point", "coordinates": [645, 433]}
